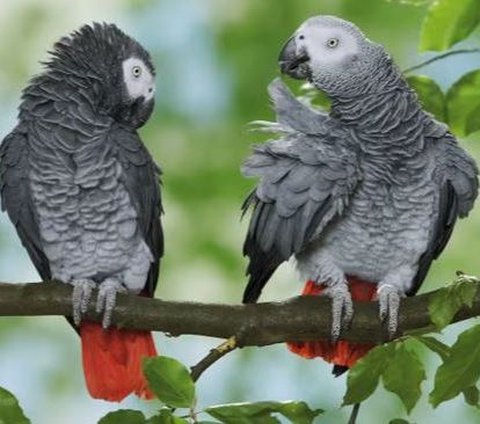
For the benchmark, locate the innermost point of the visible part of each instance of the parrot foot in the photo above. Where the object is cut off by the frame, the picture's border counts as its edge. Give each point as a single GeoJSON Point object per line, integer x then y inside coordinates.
{"type": "Point", "coordinates": [107, 294]}
{"type": "Point", "coordinates": [82, 291]}
{"type": "Point", "coordinates": [342, 307]}
{"type": "Point", "coordinates": [389, 298]}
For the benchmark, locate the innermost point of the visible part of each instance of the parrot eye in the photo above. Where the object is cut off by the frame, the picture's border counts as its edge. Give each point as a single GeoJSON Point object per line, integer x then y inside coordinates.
{"type": "Point", "coordinates": [332, 42]}
{"type": "Point", "coordinates": [136, 71]}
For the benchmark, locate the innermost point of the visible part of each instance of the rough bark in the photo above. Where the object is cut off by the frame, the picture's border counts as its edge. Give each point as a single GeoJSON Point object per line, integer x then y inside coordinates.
{"type": "Point", "coordinates": [300, 318]}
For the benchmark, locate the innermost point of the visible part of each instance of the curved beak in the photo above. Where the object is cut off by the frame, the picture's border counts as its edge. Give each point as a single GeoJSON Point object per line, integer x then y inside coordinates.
{"type": "Point", "coordinates": [292, 60]}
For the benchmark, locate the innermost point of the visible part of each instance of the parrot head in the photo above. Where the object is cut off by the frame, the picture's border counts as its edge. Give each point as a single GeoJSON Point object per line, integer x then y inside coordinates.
{"type": "Point", "coordinates": [332, 54]}
{"type": "Point", "coordinates": [112, 67]}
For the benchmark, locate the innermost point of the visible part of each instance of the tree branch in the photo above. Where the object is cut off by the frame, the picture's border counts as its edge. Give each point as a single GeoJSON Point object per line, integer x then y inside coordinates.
{"type": "Point", "coordinates": [213, 356]}
{"type": "Point", "coordinates": [298, 319]}
{"type": "Point", "coordinates": [440, 57]}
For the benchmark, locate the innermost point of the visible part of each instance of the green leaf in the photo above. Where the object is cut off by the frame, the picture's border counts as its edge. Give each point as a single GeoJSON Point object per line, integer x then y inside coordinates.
{"type": "Point", "coordinates": [463, 103]}
{"type": "Point", "coordinates": [430, 94]}
{"type": "Point", "coordinates": [363, 378]}
{"type": "Point", "coordinates": [261, 412]}
{"type": "Point", "coordinates": [399, 421]}
{"type": "Point", "coordinates": [471, 395]}
{"type": "Point", "coordinates": [461, 370]}
{"type": "Point", "coordinates": [441, 309]}
{"type": "Point", "coordinates": [166, 417]}
{"type": "Point", "coordinates": [123, 416]}
{"type": "Point", "coordinates": [170, 381]}
{"type": "Point", "coordinates": [466, 291]}
{"type": "Point", "coordinates": [404, 374]}
{"type": "Point", "coordinates": [10, 411]}
{"type": "Point", "coordinates": [448, 22]}
{"type": "Point", "coordinates": [447, 301]}
{"type": "Point", "coordinates": [441, 349]}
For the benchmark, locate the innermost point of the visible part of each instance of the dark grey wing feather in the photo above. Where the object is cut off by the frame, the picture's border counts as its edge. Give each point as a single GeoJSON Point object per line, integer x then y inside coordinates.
{"type": "Point", "coordinates": [17, 200]}
{"type": "Point", "coordinates": [305, 181]}
{"type": "Point", "coordinates": [457, 174]}
{"type": "Point", "coordinates": [141, 177]}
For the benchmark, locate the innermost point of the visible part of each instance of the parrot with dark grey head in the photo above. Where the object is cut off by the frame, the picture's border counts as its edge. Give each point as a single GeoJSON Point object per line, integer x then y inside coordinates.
{"type": "Point", "coordinates": [84, 193]}
{"type": "Point", "coordinates": [364, 197]}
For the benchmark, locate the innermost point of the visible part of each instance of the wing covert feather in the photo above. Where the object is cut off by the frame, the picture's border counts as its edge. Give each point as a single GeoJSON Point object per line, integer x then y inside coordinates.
{"type": "Point", "coordinates": [142, 179]}
{"type": "Point", "coordinates": [17, 199]}
{"type": "Point", "coordinates": [457, 175]}
{"type": "Point", "coordinates": [305, 179]}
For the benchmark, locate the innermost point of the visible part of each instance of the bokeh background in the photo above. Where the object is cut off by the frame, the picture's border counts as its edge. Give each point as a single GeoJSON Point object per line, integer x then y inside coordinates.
{"type": "Point", "coordinates": [214, 60]}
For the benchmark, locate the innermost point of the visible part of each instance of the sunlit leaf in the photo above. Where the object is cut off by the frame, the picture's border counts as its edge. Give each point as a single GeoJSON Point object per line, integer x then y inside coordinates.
{"type": "Point", "coordinates": [441, 309]}
{"type": "Point", "coordinates": [123, 416]}
{"type": "Point", "coordinates": [461, 370]}
{"type": "Point", "coordinates": [447, 301]}
{"type": "Point", "coordinates": [362, 379]}
{"type": "Point", "coordinates": [10, 411]}
{"type": "Point", "coordinates": [404, 374]}
{"type": "Point", "coordinates": [170, 380]}
{"type": "Point", "coordinates": [430, 94]}
{"type": "Point", "coordinates": [448, 22]}
{"type": "Point", "coordinates": [463, 103]}
{"type": "Point", "coordinates": [261, 412]}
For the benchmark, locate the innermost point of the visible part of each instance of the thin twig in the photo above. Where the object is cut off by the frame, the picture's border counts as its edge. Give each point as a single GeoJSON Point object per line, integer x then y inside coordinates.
{"type": "Point", "coordinates": [440, 57]}
{"type": "Point", "coordinates": [213, 356]}
{"type": "Point", "coordinates": [354, 414]}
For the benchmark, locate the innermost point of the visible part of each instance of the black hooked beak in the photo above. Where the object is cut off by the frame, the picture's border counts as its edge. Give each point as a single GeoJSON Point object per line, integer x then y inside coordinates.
{"type": "Point", "coordinates": [292, 61]}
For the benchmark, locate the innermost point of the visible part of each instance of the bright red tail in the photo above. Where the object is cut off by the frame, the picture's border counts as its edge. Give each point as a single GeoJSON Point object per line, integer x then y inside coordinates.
{"type": "Point", "coordinates": [112, 361]}
{"type": "Point", "coordinates": [341, 353]}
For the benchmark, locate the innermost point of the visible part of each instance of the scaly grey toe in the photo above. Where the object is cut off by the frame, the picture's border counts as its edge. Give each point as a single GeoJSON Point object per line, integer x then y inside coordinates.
{"type": "Point", "coordinates": [107, 295]}
{"type": "Point", "coordinates": [82, 291]}
{"type": "Point", "coordinates": [342, 308]}
{"type": "Point", "coordinates": [389, 298]}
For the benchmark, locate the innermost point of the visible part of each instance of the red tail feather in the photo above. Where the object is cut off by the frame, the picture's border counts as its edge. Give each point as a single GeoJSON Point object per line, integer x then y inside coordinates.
{"type": "Point", "coordinates": [112, 361]}
{"type": "Point", "coordinates": [340, 353]}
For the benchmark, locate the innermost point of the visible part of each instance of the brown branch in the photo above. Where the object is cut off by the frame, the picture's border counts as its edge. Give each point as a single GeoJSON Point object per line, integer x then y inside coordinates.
{"type": "Point", "coordinates": [213, 356]}
{"type": "Point", "coordinates": [300, 318]}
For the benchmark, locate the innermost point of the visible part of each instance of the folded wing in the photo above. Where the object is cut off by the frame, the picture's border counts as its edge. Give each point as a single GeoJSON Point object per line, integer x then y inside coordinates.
{"type": "Point", "coordinates": [306, 178]}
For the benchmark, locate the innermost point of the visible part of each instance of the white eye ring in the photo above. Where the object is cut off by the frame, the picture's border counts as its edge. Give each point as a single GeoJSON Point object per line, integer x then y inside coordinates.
{"type": "Point", "coordinates": [136, 71]}
{"type": "Point", "coordinates": [332, 42]}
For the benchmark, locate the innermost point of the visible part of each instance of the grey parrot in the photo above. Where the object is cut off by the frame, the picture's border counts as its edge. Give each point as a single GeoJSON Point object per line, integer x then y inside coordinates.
{"type": "Point", "coordinates": [370, 191]}
{"type": "Point", "coordinates": [84, 193]}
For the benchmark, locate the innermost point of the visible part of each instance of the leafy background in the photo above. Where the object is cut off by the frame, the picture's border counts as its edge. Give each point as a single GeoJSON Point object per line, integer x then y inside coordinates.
{"type": "Point", "coordinates": [214, 60]}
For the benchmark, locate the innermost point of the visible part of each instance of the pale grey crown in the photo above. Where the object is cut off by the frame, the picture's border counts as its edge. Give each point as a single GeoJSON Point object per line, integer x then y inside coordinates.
{"type": "Point", "coordinates": [335, 56]}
